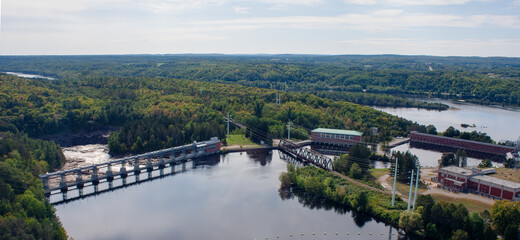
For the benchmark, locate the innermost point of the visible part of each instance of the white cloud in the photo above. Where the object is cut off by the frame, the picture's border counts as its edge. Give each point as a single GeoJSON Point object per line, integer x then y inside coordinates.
{"type": "Point", "coordinates": [429, 2]}
{"type": "Point", "coordinates": [49, 8]}
{"type": "Point", "coordinates": [241, 10]}
{"type": "Point", "coordinates": [381, 20]}
{"type": "Point", "coordinates": [361, 2]}
{"type": "Point", "coordinates": [177, 6]}
{"type": "Point", "coordinates": [409, 2]}
{"type": "Point", "coordinates": [291, 2]}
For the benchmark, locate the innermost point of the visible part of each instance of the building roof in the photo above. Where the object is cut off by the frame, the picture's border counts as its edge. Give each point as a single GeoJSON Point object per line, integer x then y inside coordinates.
{"type": "Point", "coordinates": [337, 131]}
{"type": "Point", "coordinates": [457, 182]}
{"type": "Point", "coordinates": [464, 140]}
{"type": "Point", "coordinates": [497, 181]}
{"type": "Point", "coordinates": [458, 170]}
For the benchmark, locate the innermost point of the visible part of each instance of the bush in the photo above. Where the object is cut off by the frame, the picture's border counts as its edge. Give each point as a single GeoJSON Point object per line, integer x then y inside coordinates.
{"type": "Point", "coordinates": [410, 221]}
{"type": "Point", "coordinates": [511, 232]}
{"type": "Point", "coordinates": [360, 201]}
{"type": "Point", "coordinates": [460, 235]}
{"type": "Point", "coordinates": [285, 180]}
{"type": "Point", "coordinates": [355, 171]}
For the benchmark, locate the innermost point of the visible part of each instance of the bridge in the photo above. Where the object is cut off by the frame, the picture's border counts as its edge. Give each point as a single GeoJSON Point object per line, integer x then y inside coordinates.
{"type": "Point", "coordinates": [63, 180]}
{"type": "Point", "coordinates": [295, 150]}
{"type": "Point", "coordinates": [305, 155]}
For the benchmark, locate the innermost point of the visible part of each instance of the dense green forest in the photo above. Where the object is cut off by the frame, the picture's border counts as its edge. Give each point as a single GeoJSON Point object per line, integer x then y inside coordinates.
{"type": "Point", "coordinates": [161, 112]}
{"type": "Point", "coordinates": [482, 80]}
{"type": "Point", "coordinates": [24, 211]}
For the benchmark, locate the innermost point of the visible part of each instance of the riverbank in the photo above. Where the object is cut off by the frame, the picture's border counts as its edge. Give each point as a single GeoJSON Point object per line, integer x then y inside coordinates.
{"type": "Point", "coordinates": [424, 221]}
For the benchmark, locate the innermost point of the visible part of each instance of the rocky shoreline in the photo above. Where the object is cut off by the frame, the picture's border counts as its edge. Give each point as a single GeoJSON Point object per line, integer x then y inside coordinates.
{"type": "Point", "coordinates": [89, 136]}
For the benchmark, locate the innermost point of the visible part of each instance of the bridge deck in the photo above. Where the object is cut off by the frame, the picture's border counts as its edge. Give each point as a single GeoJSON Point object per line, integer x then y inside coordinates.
{"type": "Point", "coordinates": [62, 180]}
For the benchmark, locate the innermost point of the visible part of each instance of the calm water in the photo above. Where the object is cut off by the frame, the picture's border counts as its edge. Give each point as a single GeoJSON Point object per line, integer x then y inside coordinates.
{"type": "Point", "coordinates": [429, 158]}
{"type": "Point", "coordinates": [501, 124]}
{"type": "Point", "coordinates": [236, 197]}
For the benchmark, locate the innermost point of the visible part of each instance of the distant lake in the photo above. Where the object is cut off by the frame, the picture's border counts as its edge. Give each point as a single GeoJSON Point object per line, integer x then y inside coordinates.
{"type": "Point", "coordinates": [499, 123]}
{"type": "Point", "coordinates": [26, 75]}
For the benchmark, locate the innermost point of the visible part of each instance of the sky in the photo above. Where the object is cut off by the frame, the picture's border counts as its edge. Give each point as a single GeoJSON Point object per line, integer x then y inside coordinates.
{"type": "Point", "coordinates": [409, 27]}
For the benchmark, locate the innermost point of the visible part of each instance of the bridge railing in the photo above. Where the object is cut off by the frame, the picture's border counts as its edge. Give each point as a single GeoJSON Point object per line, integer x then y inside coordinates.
{"type": "Point", "coordinates": [62, 179]}
{"type": "Point", "coordinates": [306, 155]}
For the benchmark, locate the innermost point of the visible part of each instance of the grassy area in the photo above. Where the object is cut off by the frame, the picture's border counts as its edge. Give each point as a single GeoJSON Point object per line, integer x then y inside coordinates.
{"type": "Point", "coordinates": [405, 188]}
{"type": "Point", "coordinates": [377, 173]}
{"type": "Point", "coordinates": [471, 205]}
{"type": "Point", "coordinates": [507, 174]}
{"type": "Point", "coordinates": [238, 140]}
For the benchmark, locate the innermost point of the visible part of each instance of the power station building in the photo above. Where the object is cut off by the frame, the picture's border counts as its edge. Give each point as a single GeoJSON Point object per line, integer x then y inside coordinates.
{"type": "Point", "coordinates": [476, 181]}
{"type": "Point", "coordinates": [335, 137]}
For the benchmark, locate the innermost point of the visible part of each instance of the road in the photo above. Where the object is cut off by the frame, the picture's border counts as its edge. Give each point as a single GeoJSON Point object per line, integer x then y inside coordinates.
{"type": "Point", "coordinates": [383, 181]}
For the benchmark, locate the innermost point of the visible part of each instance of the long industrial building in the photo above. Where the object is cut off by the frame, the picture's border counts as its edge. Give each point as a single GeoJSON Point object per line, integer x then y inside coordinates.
{"type": "Point", "coordinates": [476, 181]}
{"type": "Point", "coordinates": [457, 143]}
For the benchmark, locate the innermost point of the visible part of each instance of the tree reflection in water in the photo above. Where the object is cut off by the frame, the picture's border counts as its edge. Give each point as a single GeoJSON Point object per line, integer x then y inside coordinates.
{"type": "Point", "coordinates": [261, 156]}
{"type": "Point", "coordinates": [314, 202]}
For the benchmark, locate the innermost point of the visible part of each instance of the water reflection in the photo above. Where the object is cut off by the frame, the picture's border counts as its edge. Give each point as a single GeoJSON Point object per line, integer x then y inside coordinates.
{"type": "Point", "coordinates": [235, 197]}
{"type": "Point", "coordinates": [314, 202]}
{"type": "Point", "coordinates": [429, 158]}
{"type": "Point", "coordinates": [261, 156]}
{"type": "Point", "coordinates": [496, 122]}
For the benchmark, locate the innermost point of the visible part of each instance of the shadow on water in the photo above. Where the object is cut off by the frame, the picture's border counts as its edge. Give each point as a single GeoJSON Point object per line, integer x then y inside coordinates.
{"type": "Point", "coordinates": [105, 187]}
{"type": "Point", "coordinates": [313, 202]}
{"type": "Point", "coordinates": [261, 156]}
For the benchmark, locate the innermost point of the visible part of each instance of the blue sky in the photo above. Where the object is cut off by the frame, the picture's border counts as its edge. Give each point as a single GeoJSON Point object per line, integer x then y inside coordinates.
{"type": "Point", "coordinates": [412, 27]}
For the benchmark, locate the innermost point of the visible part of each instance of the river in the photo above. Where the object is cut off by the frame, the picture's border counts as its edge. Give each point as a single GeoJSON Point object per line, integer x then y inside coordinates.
{"type": "Point", "coordinates": [499, 123]}
{"type": "Point", "coordinates": [26, 75]}
{"type": "Point", "coordinates": [236, 197]}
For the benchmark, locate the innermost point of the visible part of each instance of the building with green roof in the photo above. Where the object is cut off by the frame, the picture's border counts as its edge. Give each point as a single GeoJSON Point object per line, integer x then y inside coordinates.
{"type": "Point", "coordinates": [335, 136]}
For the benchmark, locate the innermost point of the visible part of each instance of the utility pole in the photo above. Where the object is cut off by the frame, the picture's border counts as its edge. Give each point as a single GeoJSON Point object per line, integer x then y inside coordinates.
{"type": "Point", "coordinates": [395, 179]}
{"type": "Point", "coordinates": [410, 192]}
{"type": "Point", "coordinates": [228, 124]}
{"type": "Point", "coordinates": [289, 130]}
{"type": "Point", "coordinates": [416, 184]}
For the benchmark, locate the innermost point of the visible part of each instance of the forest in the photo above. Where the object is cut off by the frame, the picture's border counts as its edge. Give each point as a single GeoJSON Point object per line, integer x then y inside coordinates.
{"type": "Point", "coordinates": [480, 80]}
{"type": "Point", "coordinates": [24, 211]}
{"type": "Point", "coordinates": [161, 112]}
